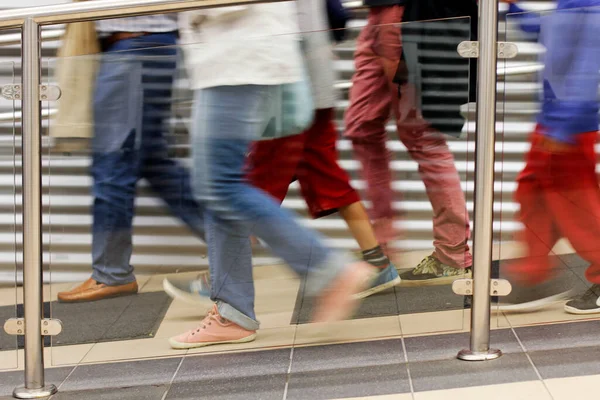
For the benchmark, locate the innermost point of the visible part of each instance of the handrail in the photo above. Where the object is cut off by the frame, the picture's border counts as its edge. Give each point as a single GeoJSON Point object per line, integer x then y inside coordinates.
{"type": "Point", "coordinates": [105, 9]}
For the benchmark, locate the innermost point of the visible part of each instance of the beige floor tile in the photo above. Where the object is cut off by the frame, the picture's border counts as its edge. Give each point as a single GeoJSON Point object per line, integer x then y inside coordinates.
{"type": "Point", "coordinates": [347, 331]}
{"type": "Point", "coordinates": [553, 314]}
{"type": "Point", "coordinates": [150, 283]}
{"type": "Point", "coordinates": [67, 355]}
{"type": "Point", "coordinates": [580, 387]}
{"type": "Point", "coordinates": [435, 322]}
{"type": "Point", "coordinates": [514, 391]}
{"type": "Point", "coordinates": [274, 319]}
{"type": "Point", "coordinates": [276, 295]}
{"type": "Point", "coordinates": [9, 360]}
{"type": "Point", "coordinates": [403, 396]}
{"type": "Point", "coordinates": [273, 272]}
{"type": "Point", "coordinates": [130, 350]}
{"type": "Point", "coordinates": [266, 339]}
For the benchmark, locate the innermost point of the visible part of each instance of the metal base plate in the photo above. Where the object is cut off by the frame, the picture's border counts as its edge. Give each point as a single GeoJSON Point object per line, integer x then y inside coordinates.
{"type": "Point", "coordinates": [468, 355]}
{"type": "Point", "coordinates": [24, 393]}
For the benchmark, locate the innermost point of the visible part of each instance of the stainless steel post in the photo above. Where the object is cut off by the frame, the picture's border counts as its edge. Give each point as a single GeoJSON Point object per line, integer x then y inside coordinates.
{"type": "Point", "coordinates": [484, 185]}
{"type": "Point", "coordinates": [32, 217]}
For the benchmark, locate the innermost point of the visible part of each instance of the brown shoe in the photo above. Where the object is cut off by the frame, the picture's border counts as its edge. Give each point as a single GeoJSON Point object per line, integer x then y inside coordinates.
{"type": "Point", "coordinates": [91, 290]}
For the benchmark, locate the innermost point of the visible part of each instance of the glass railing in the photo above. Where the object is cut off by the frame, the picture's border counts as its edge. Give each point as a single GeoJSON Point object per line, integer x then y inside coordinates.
{"type": "Point", "coordinates": [539, 198]}
{"type": "Point", "coordinates": [11, 294]}
{"type": "Point", "coordinates": [424, 213]}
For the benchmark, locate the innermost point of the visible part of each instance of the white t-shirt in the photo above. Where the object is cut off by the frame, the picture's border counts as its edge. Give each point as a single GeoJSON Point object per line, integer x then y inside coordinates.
{"type": "Point", "coordinates": [242, 45]}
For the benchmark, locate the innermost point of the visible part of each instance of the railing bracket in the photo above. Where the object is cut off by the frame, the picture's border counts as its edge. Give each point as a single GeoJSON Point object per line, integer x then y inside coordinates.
{"type": "Point", "coordinates": [16, 327]}
{"type": "Point", "coordinates": [498, 287]}
{"type": "Point", "coordinates": [470, 49]}
{"type": "Point", "coordinates": [49, 93]}
{"type": "Point", "coordinates": [11, 92]}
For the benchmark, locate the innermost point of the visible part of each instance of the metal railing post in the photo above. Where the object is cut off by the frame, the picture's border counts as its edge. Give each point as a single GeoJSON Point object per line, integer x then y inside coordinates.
{"type": "Point", "coordinates": [484, 185]}
{"type": "Point", "coordinates": [32, 217]}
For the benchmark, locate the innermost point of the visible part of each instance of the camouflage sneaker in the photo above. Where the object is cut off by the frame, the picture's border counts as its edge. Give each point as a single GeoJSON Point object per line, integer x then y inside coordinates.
{"type": "Point", "coordinates": [431, 271]}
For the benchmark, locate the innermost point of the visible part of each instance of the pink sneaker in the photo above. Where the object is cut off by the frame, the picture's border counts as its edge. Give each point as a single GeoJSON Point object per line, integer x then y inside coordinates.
{"type": "Point", "coordinates": [214, 329]}
{"type": "Point", "coordinates": [339, 300]}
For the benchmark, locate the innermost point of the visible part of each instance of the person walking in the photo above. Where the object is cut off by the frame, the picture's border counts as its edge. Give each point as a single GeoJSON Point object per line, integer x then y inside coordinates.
{"type": "Point", "coordinates": [558, 188]}
{"type": "Point", "coordinates": [373, 98]}
{"type": "Point", "coordinates": [132, 102]}
{"type": "Point", "coordinates": [234, 107]}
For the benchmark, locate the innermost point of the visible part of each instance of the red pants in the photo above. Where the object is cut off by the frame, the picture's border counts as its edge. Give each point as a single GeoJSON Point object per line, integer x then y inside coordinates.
{"type": "Point", "coordinates": [373, 98]}
{"type": "Point", "coordinates": [559, 197]}
{"type": "Point", "coordinates": [311, 158]}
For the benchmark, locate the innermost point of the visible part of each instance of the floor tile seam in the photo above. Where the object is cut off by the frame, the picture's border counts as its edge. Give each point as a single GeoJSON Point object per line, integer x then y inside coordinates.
{"type": "Point", "coordinates": [535, 368]}
{"type": "Point", "coordinates": [64, 380]}
{"type": "Point", "coordinates": [404, 351]}
{"type": "Point", "coordinates": [173, 378]}
{"type": "Point", "coordinates": [289, 371]}
{"type": "Point", "coordinates": [288, 375]}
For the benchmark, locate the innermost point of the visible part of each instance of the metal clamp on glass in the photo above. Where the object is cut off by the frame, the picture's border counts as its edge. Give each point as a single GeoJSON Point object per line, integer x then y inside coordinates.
{"type": "Point", "coordinates": [47, 92]}
{"type": "Point", "coordinates": [16, 326]}
{"type": "Point", "coordinates": [470, 49]}
{"type": "Point", "coordinates": [499, 287]}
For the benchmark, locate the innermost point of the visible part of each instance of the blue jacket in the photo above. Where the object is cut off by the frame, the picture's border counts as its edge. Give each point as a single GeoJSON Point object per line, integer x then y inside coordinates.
{"type": "Point", "coordinates": [571, 67]}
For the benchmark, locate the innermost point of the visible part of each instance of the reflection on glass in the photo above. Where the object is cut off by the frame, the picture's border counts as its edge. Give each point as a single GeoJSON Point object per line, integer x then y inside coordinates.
{"type": "Point", "coordinates": [556, 191]}
{"type": "Point", "coordinates": [11, 260]}
{"type": "Point", "coordinates": [203, 133]}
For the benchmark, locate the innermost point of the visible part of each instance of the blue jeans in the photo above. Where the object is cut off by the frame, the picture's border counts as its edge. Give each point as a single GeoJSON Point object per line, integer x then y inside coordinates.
{"type": "Point", "coordinates": [132, 102]}
{"type": "Point", "coordinates": [226, 120]}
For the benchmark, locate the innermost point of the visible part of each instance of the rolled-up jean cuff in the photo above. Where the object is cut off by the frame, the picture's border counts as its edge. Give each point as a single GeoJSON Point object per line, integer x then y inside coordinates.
{"type": "Point", "coordinates": [233, 315]}
{"type": "Point", "coordinates": [102, 278]}
{"type": "Point", "coordinates": [319, 278]}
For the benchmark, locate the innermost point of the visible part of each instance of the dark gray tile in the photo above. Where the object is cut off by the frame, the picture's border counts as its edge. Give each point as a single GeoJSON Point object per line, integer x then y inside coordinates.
{"type": "Point", "coordinates": [10, 380]}
{"type": "Point", "coordinates": [264, 387]}
{"type": "Point", "coordinates": [350, 355]}
{"type": "Point", "coordinates": [349, 382]}
{"type": "Point", "coordinates": [560, 336]}
{"type": "Point", "coordinates": [252, 375]}
{"type": "Point", "coordinates": [126, 374]}
{"type": "Point", "coordinates": [448, 374]}
{"type": "Point", "coordinates": [567, 362]}
{"type": "Point", "coordinates": [428, 299]}
{"type": "Point", "coordinates": [379, 305]}
{"type": "Point", "coordinates": [446, 347]}
{"type": "Point", "coordinates": [348, 370]}
{"type": "Point", "coordinates": [233, 366]}
{"type": "Point", "coordinates": [573, 260]}
{"type": "Point", "coordinates": [126, 393]}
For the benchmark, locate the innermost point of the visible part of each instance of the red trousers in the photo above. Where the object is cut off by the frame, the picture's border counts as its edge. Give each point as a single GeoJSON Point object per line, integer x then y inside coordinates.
{"type": "Point", "coordinates": [373, 99]}
{"type": "Point", "coordinates": [311, 158]}
{"type": "Point", "coordinates": [559, 197]}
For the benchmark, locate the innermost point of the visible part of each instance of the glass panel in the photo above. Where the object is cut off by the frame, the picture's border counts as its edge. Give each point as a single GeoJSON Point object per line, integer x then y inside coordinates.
{"type": "Point", "coordinates": [542, 211]}
{"type": "Point", "coordinates": [10, 276]}
{"type": "Point", "coordinates": [433, 175]}
{"type": "Point", "coordinates": [437, 86]}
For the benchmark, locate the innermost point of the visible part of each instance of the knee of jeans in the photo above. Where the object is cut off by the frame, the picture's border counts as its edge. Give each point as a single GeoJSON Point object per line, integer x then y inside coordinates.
{"type": "Point", "coordinates": [223, 201]}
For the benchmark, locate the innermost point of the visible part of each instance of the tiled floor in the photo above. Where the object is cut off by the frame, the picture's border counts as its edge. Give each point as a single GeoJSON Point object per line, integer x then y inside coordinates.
{"type": "Point", "coordinates": [277, 290]}
{"type": "Point", "coordinates": [551, 362]}
{"type": "Point", "coordinates": [548, 354]}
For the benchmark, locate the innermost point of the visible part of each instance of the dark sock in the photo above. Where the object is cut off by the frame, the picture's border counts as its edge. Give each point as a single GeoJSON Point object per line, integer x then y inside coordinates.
{"type": "Point", "coordinates": [376, 257]}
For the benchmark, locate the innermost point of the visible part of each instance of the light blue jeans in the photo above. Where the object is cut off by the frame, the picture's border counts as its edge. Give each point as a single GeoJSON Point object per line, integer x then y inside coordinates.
{"type": "Point", "coordinates": [226, 120]}
{"type": "Point", "coordinates": [132, 103]}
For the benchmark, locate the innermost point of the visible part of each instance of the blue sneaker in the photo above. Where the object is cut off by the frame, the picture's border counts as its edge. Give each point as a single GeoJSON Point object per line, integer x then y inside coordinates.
{"type": "Point", "coordinates": [386, 279]}
{"type": "Point", "coordinates": [196, 292]}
